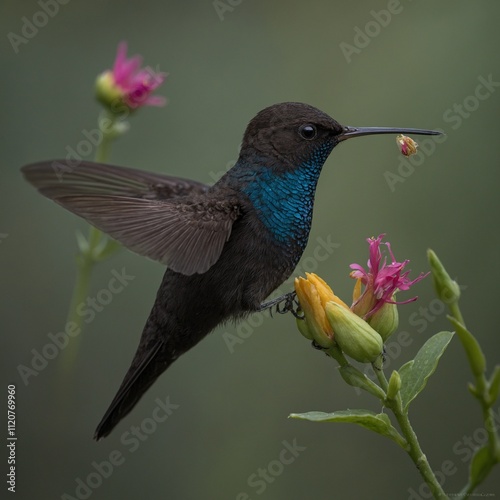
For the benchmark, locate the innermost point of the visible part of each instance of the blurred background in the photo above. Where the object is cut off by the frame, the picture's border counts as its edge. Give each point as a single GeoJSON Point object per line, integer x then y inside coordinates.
{"type": "Point", "coordinates": [419, 64]}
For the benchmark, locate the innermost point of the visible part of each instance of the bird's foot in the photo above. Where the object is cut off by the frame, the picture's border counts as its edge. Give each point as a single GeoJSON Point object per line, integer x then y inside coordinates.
{"type": "Point", "coordinates": [284, 304]}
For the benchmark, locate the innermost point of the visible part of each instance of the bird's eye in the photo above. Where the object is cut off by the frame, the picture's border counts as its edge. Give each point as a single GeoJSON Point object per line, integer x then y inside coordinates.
{"type": "Point", "coordinates": [308, 132]}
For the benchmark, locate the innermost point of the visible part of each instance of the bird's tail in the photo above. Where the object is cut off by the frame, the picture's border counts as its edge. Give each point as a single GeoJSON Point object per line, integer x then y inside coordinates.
{"type": "Point", "coordinates": [152, 358]}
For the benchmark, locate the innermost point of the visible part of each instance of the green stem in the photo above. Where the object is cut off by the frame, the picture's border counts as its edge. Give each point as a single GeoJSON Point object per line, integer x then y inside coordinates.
{"type": "Point", "coordinates": [415, 451]}
{"type": "Point", "coordinates": [456, 313]}
{"type": "Point", "coordinates": [86, 260]}
{"type": "Point", "coordinates": [481, 393]}
{"type": "Point", "coordinates": [412, 445]}
{"type": "Point", "coordinates": [335, 353]}
{"type": "Point", "coordinates": [80, 293]}
{"type": "Point", "coordinates": [103, 149]}
{"type": "Point", "coordinates": [448, 291]}
{"type": "Point", "coordinates": [382, 379]}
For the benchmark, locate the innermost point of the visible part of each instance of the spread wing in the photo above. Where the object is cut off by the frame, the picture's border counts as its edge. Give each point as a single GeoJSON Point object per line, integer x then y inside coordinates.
{"type": "Point", "coordinates": [172, 220]}
{"type": "Point", "coordinates": [58, 178]}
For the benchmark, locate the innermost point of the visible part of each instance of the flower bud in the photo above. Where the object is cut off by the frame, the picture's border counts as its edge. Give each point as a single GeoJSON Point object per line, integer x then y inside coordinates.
{"type": "Point", "coordinates": [385, 321]}
{"type": "Point", "coordinates": [394, 385]}
{"type": "Point", "coordinates": [406, 145]}
{"type": "Point", "coordinates": [354, 335]}
{"type": "Point", "coordinates": [325, 292]}
{"type": "Point", "coordinates": [313, 293]}
{"type": "Point", "coordinates": [315, 324]}
{"type": "Point", "coordinates": [446, 288]}
{"type": "Point", "coordinates": [107, 92]}
{"type": "Point", "coordinates": [304, 329]}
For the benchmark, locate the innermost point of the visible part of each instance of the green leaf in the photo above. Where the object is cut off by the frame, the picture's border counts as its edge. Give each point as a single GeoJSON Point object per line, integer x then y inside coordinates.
{"type": "Point", "coordinates": [480, 466]}
{"type": "Point", "coordinates": [83, 244]}
{"type": "Point", "coordinates": [414, 374]}
{"type": "Point", "coordinates": [472, 348]}
{"type": "Point", "coordinates": [405, 368]}
{"type": "Point", "coordinates": [378, 423]}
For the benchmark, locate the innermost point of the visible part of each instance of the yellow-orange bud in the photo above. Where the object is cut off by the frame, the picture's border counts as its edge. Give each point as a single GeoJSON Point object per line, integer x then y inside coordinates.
{"type": "Point", "coordinates": [313, 294]}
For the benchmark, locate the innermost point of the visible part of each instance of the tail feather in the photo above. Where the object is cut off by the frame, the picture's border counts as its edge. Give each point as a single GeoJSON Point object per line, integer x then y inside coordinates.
{"type": "Point", "coordinates": [170, 330]}
{"type": "Point", "coordinates": [145, 369]}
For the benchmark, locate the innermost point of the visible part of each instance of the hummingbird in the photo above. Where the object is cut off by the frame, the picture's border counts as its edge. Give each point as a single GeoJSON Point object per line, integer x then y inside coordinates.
{"type": "Point", "coordinates": [227, 246]}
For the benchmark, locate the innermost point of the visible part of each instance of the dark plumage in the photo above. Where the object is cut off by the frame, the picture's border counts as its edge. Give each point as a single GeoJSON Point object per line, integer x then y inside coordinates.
{"type": "Point", "coordinates": [227, 246]}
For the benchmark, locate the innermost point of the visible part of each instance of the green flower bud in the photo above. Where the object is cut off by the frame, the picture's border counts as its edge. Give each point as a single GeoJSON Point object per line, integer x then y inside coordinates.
{"type": "Point", "coordinates": [107, 92]}
{"type": "Point", "coordinates": [394, 385]}
{"type": "Point", "coordinates": [304, 329]}
{"type": "Point", "coordinates": [354, 335]}
{"type": "Point", "coordinates": [385, 321]}
{"type": "Point", "coordinates": [447, 289]}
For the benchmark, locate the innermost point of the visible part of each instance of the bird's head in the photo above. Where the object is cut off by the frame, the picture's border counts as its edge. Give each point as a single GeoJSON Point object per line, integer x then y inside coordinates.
{"type": "Point", "coordinates": [293, 134]}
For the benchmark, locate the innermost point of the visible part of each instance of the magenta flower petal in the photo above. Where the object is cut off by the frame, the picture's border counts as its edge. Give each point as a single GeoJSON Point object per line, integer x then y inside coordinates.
{"type": "Point", "coordinates": [382, 280]}
{"type": "Point", "coordinates": [130, 83]}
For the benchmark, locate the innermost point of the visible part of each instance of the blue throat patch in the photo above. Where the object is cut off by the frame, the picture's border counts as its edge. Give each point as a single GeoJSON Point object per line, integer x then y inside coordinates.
{"type": "Point", "coordinates": [284, 202]}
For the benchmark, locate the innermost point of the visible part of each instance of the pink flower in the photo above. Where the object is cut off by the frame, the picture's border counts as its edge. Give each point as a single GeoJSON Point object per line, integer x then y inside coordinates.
{"type": "Point", "coordinates": [129, 83]}
{"type": "Point", "coordinates": [381, 281]}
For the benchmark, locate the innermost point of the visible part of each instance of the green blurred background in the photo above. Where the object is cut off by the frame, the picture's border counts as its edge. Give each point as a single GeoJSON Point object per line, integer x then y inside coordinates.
{"type": "Point", "coordinates": [233, 406]}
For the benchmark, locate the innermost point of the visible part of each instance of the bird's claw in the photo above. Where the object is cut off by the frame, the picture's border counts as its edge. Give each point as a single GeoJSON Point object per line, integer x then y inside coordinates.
{"type": "Point", "coordinates": [284, 304]}
{"type": "Point", "coordinates": [290, 304]}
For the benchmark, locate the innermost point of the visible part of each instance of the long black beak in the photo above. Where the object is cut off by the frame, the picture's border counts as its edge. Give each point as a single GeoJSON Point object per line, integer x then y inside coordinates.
{"type": "Point", "coordinates": [349, 132]}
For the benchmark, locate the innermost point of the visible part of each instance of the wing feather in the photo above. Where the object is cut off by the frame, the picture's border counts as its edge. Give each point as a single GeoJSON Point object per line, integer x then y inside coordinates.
{"type": "Point", "coordinates": [62, 178]}
{"type": "Point", "coordinates": [175, 221]}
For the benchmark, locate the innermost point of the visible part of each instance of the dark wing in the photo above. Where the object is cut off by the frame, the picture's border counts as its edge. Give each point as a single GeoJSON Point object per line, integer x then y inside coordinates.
{"type": "Point", "coordinates": [187, 234]}
{"type": "Point", "coordinates": [185, 231]}
{"type": "Point", "coordinates": [63, 177]}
